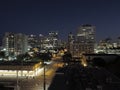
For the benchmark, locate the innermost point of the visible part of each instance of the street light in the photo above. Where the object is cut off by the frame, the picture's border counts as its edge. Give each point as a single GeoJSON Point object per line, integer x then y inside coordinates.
{"type": "Point", "coordinates": [45, 56]}
{"type": "Point", "coordinates": [44, 78]}
{"type": "Point", "coordinates": [44, 82]}
{"type": "Point", "coordinates": [17, 86]}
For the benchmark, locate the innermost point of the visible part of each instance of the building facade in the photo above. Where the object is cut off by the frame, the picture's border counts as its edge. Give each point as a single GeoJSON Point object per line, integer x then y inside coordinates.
{"type": "Point", "coordinates": [15, 44]}
{"type": "Point", "coordinates": [71, 40]}
{"type": "Point", "coordinates": [50, 41]}
{"type": "Point", "coordinates": [32, 41]}
{"type": "Point", "coordinates": [84, 40]}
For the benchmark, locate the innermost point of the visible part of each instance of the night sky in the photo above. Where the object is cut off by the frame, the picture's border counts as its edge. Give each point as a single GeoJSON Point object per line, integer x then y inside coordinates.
{"type": "Point", "coordinates": [64, 16]}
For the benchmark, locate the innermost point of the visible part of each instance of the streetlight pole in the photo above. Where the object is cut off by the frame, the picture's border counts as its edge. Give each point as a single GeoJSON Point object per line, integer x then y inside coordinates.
{"type": "Point", "coordinates": [17, 81]}
{"type": "Point", "coordinates": [44, 83]}
{"type": "Point", "coordinates": [44, 57]}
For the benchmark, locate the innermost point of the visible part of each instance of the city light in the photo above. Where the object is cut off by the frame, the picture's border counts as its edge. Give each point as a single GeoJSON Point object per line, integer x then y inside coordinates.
{"type": "Point", "coordinates": [21, 73]}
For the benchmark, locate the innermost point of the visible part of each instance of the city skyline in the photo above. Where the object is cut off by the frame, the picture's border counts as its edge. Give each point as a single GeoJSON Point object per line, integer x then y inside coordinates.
{"type": "Point", "coordinates": [40, 17]}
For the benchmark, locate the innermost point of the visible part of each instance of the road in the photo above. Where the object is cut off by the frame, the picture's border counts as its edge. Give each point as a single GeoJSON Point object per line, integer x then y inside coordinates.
{"type": "Point", "coordinates": [70, 77]}
{"type": "Point", "coordinates": [36, 82]}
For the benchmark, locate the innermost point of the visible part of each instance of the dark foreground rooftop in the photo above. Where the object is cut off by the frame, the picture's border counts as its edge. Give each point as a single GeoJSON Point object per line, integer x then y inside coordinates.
{"type": "Point", "coordinates": [2, 87]}
{"type": "Point", "coordinates": [77, 77]}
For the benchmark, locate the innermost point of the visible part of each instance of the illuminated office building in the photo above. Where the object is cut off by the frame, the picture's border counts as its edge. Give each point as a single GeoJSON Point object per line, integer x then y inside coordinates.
{"type": "Point", "coordinates": [15, 44]}
{"type": "Point", "coordinates": [53, 38]}
{"type": "Point", "coordinates": [118, 42]}
{"type": "Point", "coordinates": [84, 41]}
{"type": "Point", "coordinates": [71, 39]}
{"type": "Point", "coordinates": [50, 41]}
{"type": "Point", "coordinates": [32, 41]}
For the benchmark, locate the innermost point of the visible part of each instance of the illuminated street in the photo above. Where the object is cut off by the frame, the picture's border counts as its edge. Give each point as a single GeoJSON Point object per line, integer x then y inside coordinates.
{"type": "Point", "coordinates": [32, 80]}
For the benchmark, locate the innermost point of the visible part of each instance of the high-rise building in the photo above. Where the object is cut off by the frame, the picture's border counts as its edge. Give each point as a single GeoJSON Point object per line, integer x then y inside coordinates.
{"type": "Point", "coordinates": [32, 41]}
{"type": "Point", "coordinates": [0, 40]}
{"type": "Point", "coordinates": [21, 44]}
{"type": "Point", "coordinates": [118, 42]}
{"type": "Point", "coordinates": [53, 38]}
{"type": "Point", "coordinates": [71, 39]}
{"type": "Point", "coordinates": [41, 39]}
{"type": "Point", "coordinates": [50, 41]}
{"type": "Point", "coordinates": [15, 44]}
{"type": "Point", "coordinates": [84, 40]}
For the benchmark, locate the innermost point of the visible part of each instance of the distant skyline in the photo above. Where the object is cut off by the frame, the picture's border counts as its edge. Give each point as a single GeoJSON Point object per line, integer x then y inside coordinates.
{"type": "Point", "coordinates": [64, 16]}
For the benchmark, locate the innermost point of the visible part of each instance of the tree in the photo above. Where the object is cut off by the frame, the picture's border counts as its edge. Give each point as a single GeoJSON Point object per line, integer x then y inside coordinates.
{"type": "Point", "coordinates": [23, 57]}
{"type": "Point", "coordinates": [67, 57]}
{"type": "Point", "coordinates": [2, 54]}
{"type": "Point", "coordinates": [45, 56]}
{"type": "Point", "coordinates": [99, 62]}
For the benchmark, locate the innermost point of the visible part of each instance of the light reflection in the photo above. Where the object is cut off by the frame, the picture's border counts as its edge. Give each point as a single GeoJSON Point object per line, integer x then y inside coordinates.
{"type": "Point", "coordinates": [21, 73]}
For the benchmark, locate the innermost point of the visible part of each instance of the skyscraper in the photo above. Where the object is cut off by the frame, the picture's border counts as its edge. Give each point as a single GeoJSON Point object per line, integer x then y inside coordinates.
{"type": "Point", "coordinates": [15, 44]}
{"type": "Point", "coordinates": [53, 38]}
{"type": "Point", "coordinates": [84, 40]}
{"type": "Point", "coordinates": [32, 41]}
{"type": "Point", "coordinates": [71, 40]}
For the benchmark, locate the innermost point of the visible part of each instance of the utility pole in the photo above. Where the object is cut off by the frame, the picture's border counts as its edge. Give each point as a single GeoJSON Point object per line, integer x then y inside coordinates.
{"type": "Point", "coordinates": [44, 78]}
{"type": "Point", "coordinates": [17, 87]}
{"type": "Point", "coordinates": [44, 83]}
{"type": "Point", "coordinates": [44, 57]}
